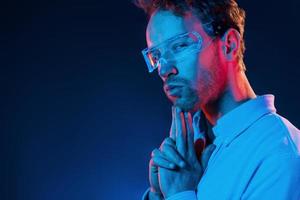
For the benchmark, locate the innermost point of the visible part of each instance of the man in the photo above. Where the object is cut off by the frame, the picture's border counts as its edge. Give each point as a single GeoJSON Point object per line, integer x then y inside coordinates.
{"type": "Point", "coordinates": [225, 142]}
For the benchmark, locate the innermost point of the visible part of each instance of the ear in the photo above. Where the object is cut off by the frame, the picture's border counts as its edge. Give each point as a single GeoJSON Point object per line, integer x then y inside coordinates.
{"type": "Point", "coordinates": [231, 44]}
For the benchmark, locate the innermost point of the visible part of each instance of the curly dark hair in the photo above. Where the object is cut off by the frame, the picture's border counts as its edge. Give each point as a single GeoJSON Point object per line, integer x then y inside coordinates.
{"type": "Point", "coordinates": [220, 14]}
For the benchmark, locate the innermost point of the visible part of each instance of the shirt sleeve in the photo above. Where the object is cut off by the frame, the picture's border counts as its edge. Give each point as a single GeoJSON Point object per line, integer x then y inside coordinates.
{"type": "Point", "coordinates": [277, 178]}
{"type": "Point", "coordinates": [186, 195]}
{"type": "Point", "coordinates": [146, 194]}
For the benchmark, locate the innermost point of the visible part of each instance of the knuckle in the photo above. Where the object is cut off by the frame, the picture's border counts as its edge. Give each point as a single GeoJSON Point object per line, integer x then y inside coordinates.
{"type": "Point", "coordinates": [154, 152]}
{"type": "Point", "coordinates": [152, 165]}
{"type": "Point", "coordinates": [151, 162]}
{"type": "Point", "coordinates": [168, 150]}
{"type": "Point", "coordinates": [162, 147]}
{"type": "Point", "coordinates": [169, 141]}
{"type": "Point", "coordinates": [154, 160]}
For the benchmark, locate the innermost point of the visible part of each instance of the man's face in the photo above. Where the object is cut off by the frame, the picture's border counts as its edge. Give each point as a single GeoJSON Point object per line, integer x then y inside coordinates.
{"type": "Point", "coordinates": [199, 78]}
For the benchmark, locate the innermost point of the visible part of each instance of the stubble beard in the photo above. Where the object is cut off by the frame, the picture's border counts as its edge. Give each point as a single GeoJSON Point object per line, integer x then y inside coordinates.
{"type": "Point", "coordinates": [188, 100]}
{"type": "Point", "coordinates": [214, 85]}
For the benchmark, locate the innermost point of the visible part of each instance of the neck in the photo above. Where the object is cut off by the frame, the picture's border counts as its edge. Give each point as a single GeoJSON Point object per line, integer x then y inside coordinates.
{"type": "Point", "coordinates": [237, 91]}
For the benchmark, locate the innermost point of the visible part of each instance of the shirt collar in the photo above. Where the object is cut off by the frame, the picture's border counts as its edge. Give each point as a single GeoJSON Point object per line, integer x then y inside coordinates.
{"type": "Point", "coordinates": [232, 124]}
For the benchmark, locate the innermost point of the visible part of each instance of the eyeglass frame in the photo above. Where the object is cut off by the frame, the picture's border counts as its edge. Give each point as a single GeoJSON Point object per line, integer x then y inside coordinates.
{"type": "Point", "coordinates": [198, 48]}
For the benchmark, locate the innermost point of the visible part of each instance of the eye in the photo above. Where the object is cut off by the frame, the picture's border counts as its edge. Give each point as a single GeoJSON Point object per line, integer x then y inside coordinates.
{"type": "Point", "coordinates": [180, 46]}
{"type": "Point", "coordinates": [155, 55]}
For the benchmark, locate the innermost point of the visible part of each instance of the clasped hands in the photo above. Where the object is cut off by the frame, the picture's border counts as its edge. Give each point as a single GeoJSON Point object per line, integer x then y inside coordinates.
{"type": "Point", "coordinates": [175, 167]}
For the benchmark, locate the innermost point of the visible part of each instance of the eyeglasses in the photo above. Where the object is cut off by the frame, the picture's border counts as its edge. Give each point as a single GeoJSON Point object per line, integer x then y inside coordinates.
{"type": "Point", "coordinates": [178, 47]}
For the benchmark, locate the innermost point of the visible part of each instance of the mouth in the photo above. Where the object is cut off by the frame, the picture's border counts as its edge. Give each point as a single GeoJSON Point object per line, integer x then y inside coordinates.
{"type": "Point", "coordinates": [173, 90]}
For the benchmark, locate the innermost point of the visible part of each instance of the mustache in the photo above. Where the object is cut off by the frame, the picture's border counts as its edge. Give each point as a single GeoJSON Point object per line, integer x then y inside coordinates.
{"type": "Point", "coordinates": [176, 81]}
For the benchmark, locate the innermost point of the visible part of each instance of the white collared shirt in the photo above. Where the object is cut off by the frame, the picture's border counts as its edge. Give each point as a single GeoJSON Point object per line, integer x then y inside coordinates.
{"type": "Point", "coordinates": [257, 156]}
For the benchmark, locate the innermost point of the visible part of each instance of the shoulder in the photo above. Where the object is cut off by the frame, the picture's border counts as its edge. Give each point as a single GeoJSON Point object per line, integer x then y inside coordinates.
{"type": "Point", "coordinates": [291, 134]}
{"type": "Point", "coordinates": [278, 134]}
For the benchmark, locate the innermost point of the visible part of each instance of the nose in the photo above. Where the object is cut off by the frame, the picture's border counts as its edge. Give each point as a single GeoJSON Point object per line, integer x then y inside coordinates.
{"type": "Point", "coordinates": [166, 68]}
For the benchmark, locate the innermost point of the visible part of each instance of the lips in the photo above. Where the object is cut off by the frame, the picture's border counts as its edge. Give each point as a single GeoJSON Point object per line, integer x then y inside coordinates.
{"type": "Point", "coordinates": [173, 90]}
{"type": "Point", "coordinates": [170, 87]}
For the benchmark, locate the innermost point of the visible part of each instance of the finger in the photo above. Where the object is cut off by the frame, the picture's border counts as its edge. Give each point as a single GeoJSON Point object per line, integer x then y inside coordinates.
{"type": "Point", "coordinates": [168, 141]}
{"type": "Point", "coordinates": [190, 133]}
{"type": "Point", "coordinates": [153, 176]}
{"type": "Point", "coordinates": [206, 155]}
{"type": "Point", "coordinates": [172, 155]}
{"type": "Point", "coordinates": [173, 127]}
{"type": "Point", "coordinates": [160, 161]}
{"type": "Point", "coordinates": [180, 132]}
{"type": "Point", "coordinates": [152, 166]}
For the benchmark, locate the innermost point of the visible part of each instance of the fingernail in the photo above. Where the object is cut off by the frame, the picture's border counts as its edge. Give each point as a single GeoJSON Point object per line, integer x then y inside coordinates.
{"type": "Point", "coordinates": [171, 165]}
{"type": "Point", "coordinates": [182, 164]}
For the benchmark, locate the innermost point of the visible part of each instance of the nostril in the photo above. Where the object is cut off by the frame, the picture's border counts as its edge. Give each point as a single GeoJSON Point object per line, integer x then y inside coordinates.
{"type": "Point", "coordinates": [167, 70]}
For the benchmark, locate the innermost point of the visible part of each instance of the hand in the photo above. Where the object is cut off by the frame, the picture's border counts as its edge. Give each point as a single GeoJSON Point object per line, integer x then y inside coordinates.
{"type": "Point", "coordinates": [175, 174]}
{"type": "Point", "coordinates": [155, 192]}
{"type": "Point", "coordinates": [172, 182]}
{"type": "Point", "coordinates": [166, 157]}
{"type": "Point", "coordinates": [170, 159]}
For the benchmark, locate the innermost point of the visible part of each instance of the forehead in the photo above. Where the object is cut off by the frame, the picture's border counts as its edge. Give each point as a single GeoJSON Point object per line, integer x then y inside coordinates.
{"type": "Point", "coordinates": [165, 24]}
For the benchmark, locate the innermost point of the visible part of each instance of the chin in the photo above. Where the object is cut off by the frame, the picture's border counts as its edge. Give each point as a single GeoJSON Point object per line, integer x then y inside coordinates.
{"type": "Point", "coordinates": [186, 104]}
{"type": "Point", "coordinates": [188, 100]}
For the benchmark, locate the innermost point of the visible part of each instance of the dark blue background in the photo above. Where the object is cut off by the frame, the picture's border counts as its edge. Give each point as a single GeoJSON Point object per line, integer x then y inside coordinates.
{"type": "Point", "coordinates": [79, 112]}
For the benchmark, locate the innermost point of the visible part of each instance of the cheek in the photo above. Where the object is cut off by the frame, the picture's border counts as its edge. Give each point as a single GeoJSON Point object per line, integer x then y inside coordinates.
{"type": "Point", "coordinates": [208, 58]}
{"type": "Point", "coordinates": [210, 77]}
{"type": "Point", "coordinates": [205, 70]}
{"type": "Point", "coordinates": [188, 68]}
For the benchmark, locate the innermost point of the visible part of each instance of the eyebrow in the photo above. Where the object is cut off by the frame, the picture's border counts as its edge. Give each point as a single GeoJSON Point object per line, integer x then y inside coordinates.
{"type": "Point", "coordinates": [170, 38]}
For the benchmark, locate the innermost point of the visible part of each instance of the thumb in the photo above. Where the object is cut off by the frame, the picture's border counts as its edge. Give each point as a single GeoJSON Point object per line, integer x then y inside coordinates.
{"type": "Point", "coordinates": [173, 127]}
